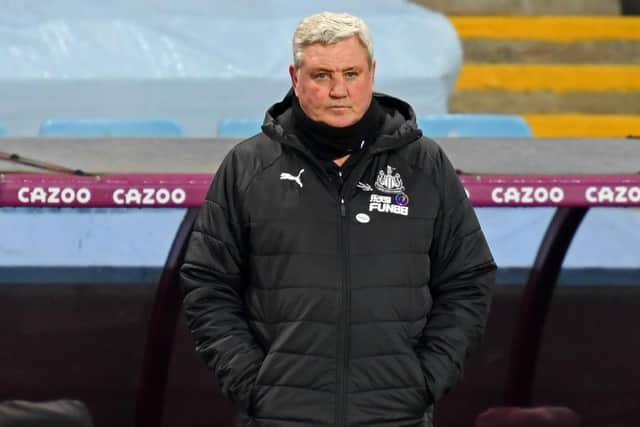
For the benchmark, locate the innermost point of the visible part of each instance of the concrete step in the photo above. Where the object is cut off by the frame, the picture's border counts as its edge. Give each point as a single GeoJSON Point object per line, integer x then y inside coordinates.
{"type": "Point", "coordinates": [549, 39]}
{"type": "Point", "coordinates": [544, 102]}
{"type": "Point", "coordinates": [559, 29]}
{"type": "Point", "coordinates": [523, 7]}
{"type": "Point", "coordinates": [553, 78]}
{"type": "Point", "coordinates": [540, 52]}
{"type": "Point", "coordinates": [544, 89]}
{"type": "Point", "coordinates": [583, 125]}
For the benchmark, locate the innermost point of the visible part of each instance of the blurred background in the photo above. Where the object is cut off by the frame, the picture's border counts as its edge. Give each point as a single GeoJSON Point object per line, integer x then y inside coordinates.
{"type": "Point", "coordinates": [77, 286]}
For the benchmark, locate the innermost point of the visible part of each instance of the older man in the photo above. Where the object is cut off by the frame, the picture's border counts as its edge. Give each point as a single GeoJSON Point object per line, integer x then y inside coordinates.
{"type": "Point", "coordinates": [337, 275]}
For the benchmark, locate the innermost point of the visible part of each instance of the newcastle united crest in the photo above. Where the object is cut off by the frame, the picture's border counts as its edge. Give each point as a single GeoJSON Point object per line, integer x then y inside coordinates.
{"type": "Point", "coordinates": [389, 182]}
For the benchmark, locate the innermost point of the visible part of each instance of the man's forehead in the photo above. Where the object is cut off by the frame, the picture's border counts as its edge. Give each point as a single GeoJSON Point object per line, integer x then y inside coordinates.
{"type": "Point", "coordinates": [335, 56]}
{"type": "Point", "coordinates": [334, 67]}
{"type": "Point", "coordinates": [353, 43]}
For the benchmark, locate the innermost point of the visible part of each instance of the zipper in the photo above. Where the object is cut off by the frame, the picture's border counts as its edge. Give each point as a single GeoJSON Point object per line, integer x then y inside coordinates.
{"type": "Point", "coordinates": [344, 325]}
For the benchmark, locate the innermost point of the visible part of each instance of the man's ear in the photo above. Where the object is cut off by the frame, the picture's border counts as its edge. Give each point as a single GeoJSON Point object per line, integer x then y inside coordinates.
{"type": "Point", "coordinates": [294, 78]}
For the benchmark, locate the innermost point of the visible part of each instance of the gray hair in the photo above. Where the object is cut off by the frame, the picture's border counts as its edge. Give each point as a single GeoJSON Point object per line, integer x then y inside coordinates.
{"type": "Point", "coordinates": [328, 28]}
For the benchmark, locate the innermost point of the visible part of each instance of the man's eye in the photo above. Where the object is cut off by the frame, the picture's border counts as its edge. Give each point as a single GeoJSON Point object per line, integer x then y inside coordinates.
{"type": "Point", "coordinates": [321, 76]}
{"type": "Point", "coordinates": [351, 74]}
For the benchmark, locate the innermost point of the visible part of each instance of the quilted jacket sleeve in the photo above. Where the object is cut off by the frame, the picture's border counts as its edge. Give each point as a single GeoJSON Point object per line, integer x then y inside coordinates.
{"type": "Point", "coordinates": [462, 278]}
{"type": "Point", "coordinates": [213, 281]}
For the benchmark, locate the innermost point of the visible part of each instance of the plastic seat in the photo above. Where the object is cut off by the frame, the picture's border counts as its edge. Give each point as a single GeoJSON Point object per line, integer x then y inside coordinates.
{"type": "Point", "coordinates": [3, 131]}
{"type": "Point", "coordinates": [55, 413]}
{"type": "Point", "coordinates": [474, 125]}
{"type": "Point", "coordinates": [110, 127]}
{"type": "Point", "coordinates": [239, 128]}
{"type": "Point", "coordinates": [440, 125]}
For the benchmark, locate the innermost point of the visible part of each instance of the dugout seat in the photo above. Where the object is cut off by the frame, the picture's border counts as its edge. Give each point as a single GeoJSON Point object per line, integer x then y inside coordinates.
{"type": "Point", "coordinates": [544, 416]}
{"type": "Point", "coordinates": [72, 240]}
{"type": "Point", "coordinates": [110, 127]}
{"type": "Point", "coordinates": [239, 128]}
{"type": "Point", "coordinates": [55, 413]}
{"type": "Point", "coordinates": [474, 125]}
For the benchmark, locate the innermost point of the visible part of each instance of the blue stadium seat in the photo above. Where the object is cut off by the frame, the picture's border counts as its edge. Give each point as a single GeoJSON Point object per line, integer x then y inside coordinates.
{"type": "Point", "coordinates": [441, 125]}
{"type": "Point", "coordinates": [474, 125]}
{"type": "Point", "coordinates": [3, 131]}
{"type": "Point", "coordinates": [239, 127]}
{"type": "Point", "coordinates": [110, 127]}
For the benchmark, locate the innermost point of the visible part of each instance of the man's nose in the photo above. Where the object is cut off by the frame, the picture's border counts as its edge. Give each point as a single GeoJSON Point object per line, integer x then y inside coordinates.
{"type": "Point", "coordinates": [338, 88]}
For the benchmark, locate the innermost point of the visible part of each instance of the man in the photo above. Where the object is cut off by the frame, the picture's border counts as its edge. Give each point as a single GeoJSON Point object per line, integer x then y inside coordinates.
{"type": "Point", "coordinates": [337, 275]}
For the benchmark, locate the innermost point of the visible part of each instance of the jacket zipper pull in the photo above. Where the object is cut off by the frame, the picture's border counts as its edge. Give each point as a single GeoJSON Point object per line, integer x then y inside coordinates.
{"type": "Point", "coordinates": [343, 208]}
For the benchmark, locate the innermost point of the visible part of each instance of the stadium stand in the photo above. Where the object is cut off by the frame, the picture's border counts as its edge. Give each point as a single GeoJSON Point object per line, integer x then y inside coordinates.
{"type": "Point", "coordinates": [571, 76]}
{"type": "Point", "coordinates": [594, 125]}
{"type": "Point", "coordinates": [110, 127]}
{"type": "Point", "coordinates": [525, 7]}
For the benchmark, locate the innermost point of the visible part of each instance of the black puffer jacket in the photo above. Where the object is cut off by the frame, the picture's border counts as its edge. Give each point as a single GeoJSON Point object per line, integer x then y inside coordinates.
{"type": "Point", "coordinates": [315, 308]}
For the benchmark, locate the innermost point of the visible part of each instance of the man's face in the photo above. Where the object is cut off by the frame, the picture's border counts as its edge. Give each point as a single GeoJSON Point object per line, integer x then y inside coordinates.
{"type": "Point", "coordinates": [334, 82]}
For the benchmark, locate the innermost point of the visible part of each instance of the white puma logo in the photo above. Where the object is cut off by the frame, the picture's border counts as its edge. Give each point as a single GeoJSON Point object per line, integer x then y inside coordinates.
{"type": "Point", "coordinates": [288, 176]}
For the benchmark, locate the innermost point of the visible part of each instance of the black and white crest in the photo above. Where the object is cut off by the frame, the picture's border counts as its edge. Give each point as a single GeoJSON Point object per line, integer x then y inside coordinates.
{"type": "Point", "coordinates": [389, 183]}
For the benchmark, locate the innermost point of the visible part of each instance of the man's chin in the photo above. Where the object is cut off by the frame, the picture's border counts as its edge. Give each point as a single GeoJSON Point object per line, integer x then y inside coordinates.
{"type": "Point", "coordinates": [341, 120]}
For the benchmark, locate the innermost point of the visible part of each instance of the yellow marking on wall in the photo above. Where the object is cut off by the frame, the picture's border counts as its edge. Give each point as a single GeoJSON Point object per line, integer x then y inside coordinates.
{"type": "Point", "coordinates": [555, 78]}
{"type": "Point", "coordinates": [583, 125]}
{"type": "Point", "coordinates": [559, 29]}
